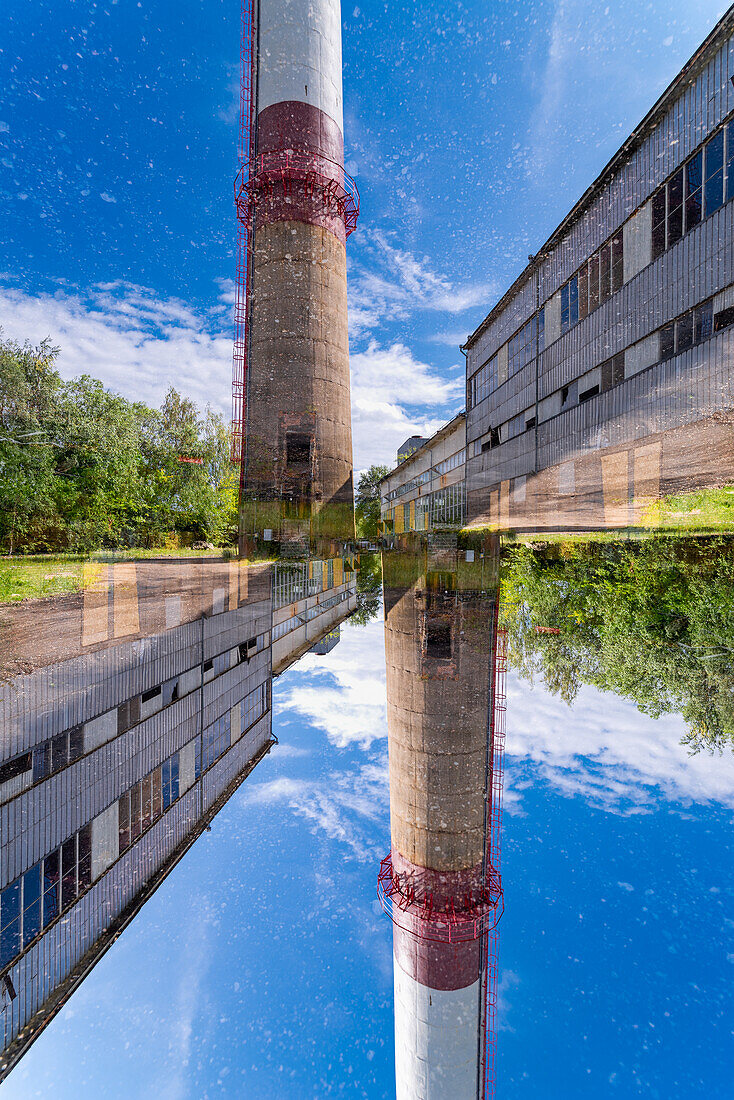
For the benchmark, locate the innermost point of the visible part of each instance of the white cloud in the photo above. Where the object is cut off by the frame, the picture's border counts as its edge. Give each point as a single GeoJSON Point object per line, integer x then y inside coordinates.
{"type": "Point", "coordinates": [604, 749]}
{"type": "Point", "coordinates": [342, 694]}
{"type": "Point", "coordinates": [138, 343]}
{"type": "Point", "coordinates": [392, 393]}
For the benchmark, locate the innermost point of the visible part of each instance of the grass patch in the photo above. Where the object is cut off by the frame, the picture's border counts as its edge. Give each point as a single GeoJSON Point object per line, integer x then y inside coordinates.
{"type": "Point", "coordinates": [33, 578]}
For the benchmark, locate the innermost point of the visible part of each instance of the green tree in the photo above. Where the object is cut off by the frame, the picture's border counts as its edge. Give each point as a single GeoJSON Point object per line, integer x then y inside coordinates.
{"type": "Point", "coordinates": [82, 467]}
{"type": "Point", "coordinates": [367, 502]}
{"type": "Point", "coordinates": [98, 465]}
{"type": "Point", "coordinates": [29, 393]}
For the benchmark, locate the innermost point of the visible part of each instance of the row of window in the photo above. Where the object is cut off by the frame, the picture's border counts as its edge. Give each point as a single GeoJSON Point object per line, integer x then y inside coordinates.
{"type": "Point", "coordinates": [522, 348]}
{"type": "Point", "coordinates": [281, 629]}
{"type": "Point", "coordinates": [66, 747]}
{"type": "Point", "coordinates": [451, 463]}
{"type": "Point", "coordinates": [692, 327]}
{"type": "Point", "coordinates": [526, 343]}
{"type": "Point", "coordinates": [48, 757]}
{"type": "Point", "coordinates": [698, 188]}
{"type": "Point", "coordinates": [595, 281]}
{"type": "Point", "coordinates": [30, 903]}
{"type": "Point", "coordinates": [483, 382]}
{"type": "Point", "coordinates": [445, 507]}
{"type": "Point", "coordinates": [296, 581]}
{"type": "Point", "coordinates": [217, 738]}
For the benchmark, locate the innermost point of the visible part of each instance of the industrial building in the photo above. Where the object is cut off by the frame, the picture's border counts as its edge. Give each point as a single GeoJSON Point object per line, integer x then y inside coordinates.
{"type": "Point", "coordinates": [602, 378]}
{"type": "Point", "coordinates": [131, 712]}
{"type": "Point", "coordinates": [426, 489]}
{"type": "Point", "coordinates": [441, 883]}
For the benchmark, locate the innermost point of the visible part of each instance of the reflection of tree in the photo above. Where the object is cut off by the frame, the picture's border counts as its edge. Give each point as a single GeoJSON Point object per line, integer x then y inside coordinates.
{"type": "Point", "coordinates": [369, 582]}
{"type": "Point", "coordinates": [652, 621]}
{"type": "Point", "coordinates": [367, 502]}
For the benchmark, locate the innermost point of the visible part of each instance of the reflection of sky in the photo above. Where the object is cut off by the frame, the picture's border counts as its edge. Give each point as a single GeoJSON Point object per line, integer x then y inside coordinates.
{"type": "Point", "coordinates": [261, 968]}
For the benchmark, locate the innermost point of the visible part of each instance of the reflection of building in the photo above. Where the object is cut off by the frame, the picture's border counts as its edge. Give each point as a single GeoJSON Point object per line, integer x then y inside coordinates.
{"type": "Point", "coordinates": [427, 489]}
{"type": "Point", "coordinates": [441, 882]}
{"type": "Point", "coordinates": [410, 446]}
{"type": "Point", "coordinates": [603, 375]}
{"type": "Point", "coordinates": [130, 714]}
{"type": "Point", "coordinates": [328, 642]}
{"type": "Point", "coordinates": [298, 442]}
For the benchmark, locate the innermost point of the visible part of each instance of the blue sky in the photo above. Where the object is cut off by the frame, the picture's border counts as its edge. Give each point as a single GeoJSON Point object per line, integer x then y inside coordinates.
{"type": "Point", "coordinates": [262, 967]}
{"type": "Point", "coordinates": [471, 129]}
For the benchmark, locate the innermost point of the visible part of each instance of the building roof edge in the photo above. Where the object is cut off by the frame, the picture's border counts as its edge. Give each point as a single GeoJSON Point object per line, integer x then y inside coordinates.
{"type": "Point", "coordinates": [725, 24]}
{"type": "Point", "coordinates": [426, 446]}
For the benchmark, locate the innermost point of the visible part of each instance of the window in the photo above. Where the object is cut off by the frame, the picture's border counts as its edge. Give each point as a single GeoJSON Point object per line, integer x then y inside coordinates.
{"type": "Point", "coordinates": [526, 343]}
{"type": "Point", "coordinates": [588, 394]}
{"type": "Point", "coordinates": [694, 191]}
{"type": "Point", "coordinates": [483, 382]}
{"type": "Point", "coordinates": [297, 449]}
{"type": "Point", "coordinates": [658, 223]}
{"type": "Point", "coordinates": [50, 887]}
{"type": "Point", "coordinates": [675, 207]}
{"type": "Point", "coordinates": [447, 506]}
{"type": "Point", "coordinates": [138, 809]}
{"type": "Point", "coordinates": [593, 267]}
{"type": "Point", "coordinates": [723, 319]}
{"type": "Point", "coordinates": [254, 705]}
{"type": "Point", "coordinates": [583, 284]}
{"type": "Point", "coordinates": [684, 332]}
{"type": "Point", "coordinates": [605, 273]}
{"type": "Point", "coordinates": [617, 247]}
{"type": "Point", "coordinates": [169, 768]}
{"type": "Point", "coordinates": [290, 584]}
{"type": "Point", "coordinates": [713, 187]}
{"type": "Point", "coordinates": [569, 304]}
{"type": "Point", "coordinates": [694, 204]}
{"type": "Point", "coordinates": [667, 341]}
{"type": "Point", "coordinates": [32, 902]}
{"type": "Point", "coordinates": [128, 714]}
{"type": "Point", "coordinates": [10, 922]}
{"type": "Point", "coordinates": [612, 371]}
{"type": "Point", "coordinates": [438, 637]}
{"type": "Point", "coordinates": [687, 330]}
{"type": "Point", "coordinates": [13, 768]}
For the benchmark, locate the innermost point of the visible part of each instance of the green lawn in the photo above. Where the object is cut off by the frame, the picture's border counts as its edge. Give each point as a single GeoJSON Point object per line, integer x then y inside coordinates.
{"type": "Point", "coordinates": [42, 575]}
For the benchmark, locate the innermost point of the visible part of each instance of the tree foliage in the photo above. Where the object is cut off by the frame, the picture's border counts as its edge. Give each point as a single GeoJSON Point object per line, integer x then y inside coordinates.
{"type": "Point", "coordinates": [367, 502]}
{"type": "Point", "coordinates": [82, 467]}
{"type": "Point", "coordinates": [652, 621]}
{"type": "Point", "coordinates": [369, 589]}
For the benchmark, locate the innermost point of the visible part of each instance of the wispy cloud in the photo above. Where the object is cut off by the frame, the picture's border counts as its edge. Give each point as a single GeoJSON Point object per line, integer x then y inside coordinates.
{"type": "Point", "coordinates": [388, 283]}
{"type": "Point", "coordinates": [344, 806]}
{"type": "Point", "coordinates": [395, 395]}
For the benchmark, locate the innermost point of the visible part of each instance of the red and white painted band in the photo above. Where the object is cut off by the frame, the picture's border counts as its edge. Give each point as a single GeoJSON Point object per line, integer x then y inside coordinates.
{"type": "Point", "coordinates": [300, 55]}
